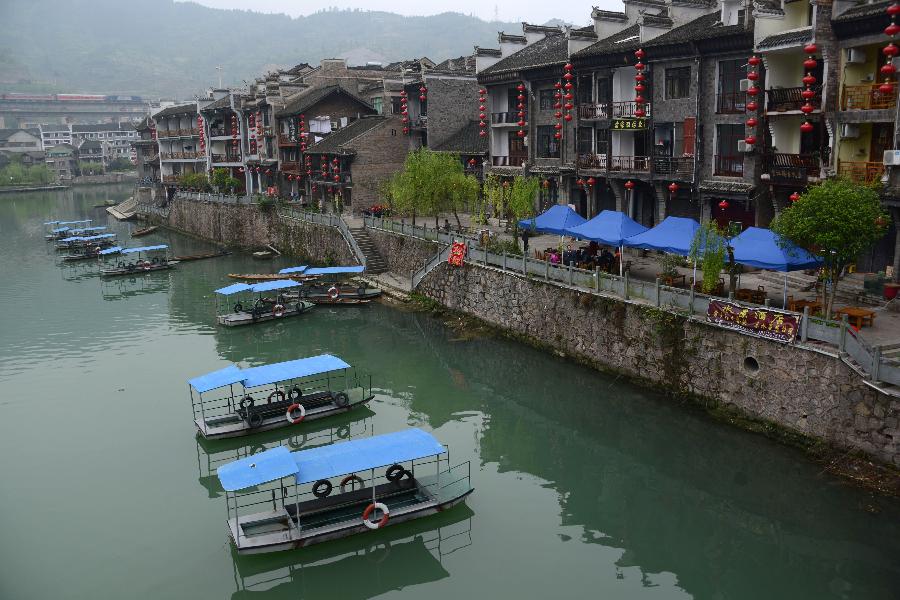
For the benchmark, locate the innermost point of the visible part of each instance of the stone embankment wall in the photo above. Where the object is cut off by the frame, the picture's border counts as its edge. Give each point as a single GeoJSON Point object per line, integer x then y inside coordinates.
{"type": "Point", "coordinates": [799, 389]}
{"type": "Point", "coordinates": [108, 178]}
{"type": "Point", "coordinates": [249, 227]}
{"type": "Point", "coordinates": [403, 254]}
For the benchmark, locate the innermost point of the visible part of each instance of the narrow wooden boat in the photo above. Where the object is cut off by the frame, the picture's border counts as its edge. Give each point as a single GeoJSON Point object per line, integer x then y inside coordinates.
{"type": "Point", "coordinates": [201, 256]}
{"type": "Point", "coordinates": [143, 264]}
{"type": "Point", "coordinates": [232, 402]}
{"type": "Point", "coordinates": [295, 520]}
{"type": "Point", "coordinates": [144, 231]}
{"type": "Point", "coordinates": [263, 308]}
{"type": "Point", "coordinates": [270, 276]}
{"type": "Point", "coordinates": [263, 254]}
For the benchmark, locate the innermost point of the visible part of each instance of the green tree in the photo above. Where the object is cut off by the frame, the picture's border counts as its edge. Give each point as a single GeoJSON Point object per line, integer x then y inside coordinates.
{"type": "Point", "coordinates": [430, 184]}
{"type": "Point", "coordinates": [197, 181]}
{"type": "Point", "coordinates": [522, 194]}
{"type": "Point", "coordinates": [836, 220]}
{"type": "Point", "coordinates": [708, 250]}
{"type": "Point", "coordinates": [90, 167]}
{"type": "Point", "coordinates": [220, 179]}
{"type": "Point", "coordinates": [496, 197]}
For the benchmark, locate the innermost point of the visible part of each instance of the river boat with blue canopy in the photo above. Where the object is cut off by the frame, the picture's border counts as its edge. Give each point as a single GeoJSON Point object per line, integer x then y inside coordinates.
{"type": "Point", "coordinates": [345, 492]}
{"type": "Point", "coordinates": [267, 302]}
{"type": "Point", "coordinates": [297, 273]}
{"type": "Point", "coordinates": [60, 229]}
{"type": "Point", "coordinates": [138, 261]}
{"type": "Point", "coordinates": [232, 402]}
{"type": "Point", "coordinates": [333, 285]}
{"type": "Point", "coordinates": [89, 252]}
{"type": "Point", "coordinates": [103, 240]}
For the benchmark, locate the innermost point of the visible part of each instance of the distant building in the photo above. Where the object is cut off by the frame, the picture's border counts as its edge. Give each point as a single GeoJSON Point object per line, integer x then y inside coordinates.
{"type": "Point", "coordinates": [177, 143]}
{"type": "Point", "coordinates": [20, 140]}
{"type": "Point", "coordinates": [62, 160]}
{"type": "Point", "coordinates": [54, 135]}
{"type": "Point", "coordinates": [91, 151]}
{"type": "Point", "coordinates": [146, 151]}
{"type": "Point", "coordinates": [116, 138]}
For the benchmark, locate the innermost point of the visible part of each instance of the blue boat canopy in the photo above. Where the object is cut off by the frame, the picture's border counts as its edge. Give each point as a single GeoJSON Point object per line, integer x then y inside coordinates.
{"type": "Point", "coordinates": [144, 249]}
{"type": "Point", "coordinates": [216, 379]}
{"type": "Point", "coordinates": [292, 369]}
{"type": "Point", "coordinates": [287, 270]}
{"type": "Point", "coordinates": [111, 250]}
{"type": "Point", "coordinates": [610, 228]}
{"type": "Point", "coordinates": [329, 461]}
{"type": "Point", "coordinates": [334, 270]}
{"type": "Point", "coordinates": [72, 238]}
{"type": "Point", "coordinates": [674, 235]}
{"type": "Point", "coordinates": [556, 219]}
{"type": "Point", "coordinates": [234, 288]}
{"type": "Point", "coordinates": [256, 469]}
{"type": "Point", "coordinates": [73, 222]}
{"type": "Point", "coordinates": [85, 229]}
{"type": "Point", "coordinates": [51, 222]}
{"type": "Point", "coordinates": [278, 284]}
{"type": "Point", "coordinates": [102, 236]}
{"type": "Point", "coordinates": [59, 230]}
{"type": "Point", "coordinates": [765, 249]}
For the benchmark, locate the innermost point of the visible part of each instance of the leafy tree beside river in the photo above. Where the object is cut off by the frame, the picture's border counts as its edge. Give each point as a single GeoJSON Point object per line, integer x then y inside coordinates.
{"type": "Point", "coordinates": [16, 173]}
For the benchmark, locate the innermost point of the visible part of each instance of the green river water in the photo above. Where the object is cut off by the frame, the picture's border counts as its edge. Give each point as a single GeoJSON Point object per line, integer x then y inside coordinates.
{"type": "Point", "coordinates": [585, 486]}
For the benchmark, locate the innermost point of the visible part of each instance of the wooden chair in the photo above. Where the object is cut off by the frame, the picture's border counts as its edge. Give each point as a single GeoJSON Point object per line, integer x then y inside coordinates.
{"type": "Point", "coordinates": [791, 303]}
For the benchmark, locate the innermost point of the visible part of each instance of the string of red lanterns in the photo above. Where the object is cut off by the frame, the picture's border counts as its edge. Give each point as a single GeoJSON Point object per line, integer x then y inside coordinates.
{"type": "Point", "coordinates": [752, 106]}
{"type": "Point", "coordinates": [568, 96]}
{"type": "Point", "coordinates": [639, 87]}
{"type": "Point", "coordinates": [890, 51]}
{"type": "Point", "coordinates": [557, 104]}
{"type": "Point", "coordinates": [404, 110]}
{"type": "Point", "coordinates": [808, 81]}
{"type": "Point", "coordinates": [482, 115]}
{"type": "Point", "coordinates": [201, 134]}
{"type": "Point", "coordinates": [521, 106]}
{"type": "Point", "coordinates": [423, 93]}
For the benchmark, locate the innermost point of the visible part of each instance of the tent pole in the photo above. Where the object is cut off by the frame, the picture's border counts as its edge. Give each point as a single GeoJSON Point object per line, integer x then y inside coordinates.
{"type": "Point", "coordinates": [621, 260]}
{"type": "Point", "coordinates": [784, 299]}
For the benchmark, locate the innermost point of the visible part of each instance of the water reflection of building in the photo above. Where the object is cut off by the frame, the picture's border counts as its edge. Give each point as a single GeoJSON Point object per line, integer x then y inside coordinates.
{"type": "Point", "coordinates": [392, 559]}
{"type": "Point", "coordinates": [211, 454]}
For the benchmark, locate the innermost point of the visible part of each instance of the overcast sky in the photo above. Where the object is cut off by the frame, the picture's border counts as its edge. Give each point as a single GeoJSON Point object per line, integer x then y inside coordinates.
{"type": "Point", "coordinates": [532, 11]}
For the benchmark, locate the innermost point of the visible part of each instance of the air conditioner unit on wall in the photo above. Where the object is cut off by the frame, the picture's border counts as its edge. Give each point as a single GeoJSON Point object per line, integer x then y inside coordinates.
{"type": "Point", "coordinates": [745, 85]}
{"type": "Point", "coordinates": [892, 158]}
{"type": "Point", "coordinates": [856, 56]}
{"type": "Point", "coordinates": [849, 130]}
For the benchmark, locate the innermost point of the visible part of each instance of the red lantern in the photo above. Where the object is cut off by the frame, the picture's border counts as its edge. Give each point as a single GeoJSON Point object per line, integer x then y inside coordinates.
{"type": "Point", "coordinates": [751, 122]}
{"type": "Point", "coordinates": [893, 9]}
{"type": "Point", "coordinates": [568, 67]}
{"type": "Point", "coordinates": [557, 135]}
{"type": "Point", "coordinates": [810, 48]}
{"type": "Point", "coordinates": [591, 181]}
{"type": "Point", "coordinates": [482, 91]}
{"type": "Point", "coordinates": [640, 77]}
{"type": "Point", "coordinates": [723, 204]}
{"type": "Point", "coordinates": [639, 66]}
{"type": "Point", "coordinates": [639, 100]}
{"type": "Point", "coordinates": [422, 98]}
{"type": "Point", "coordinates": [639, 53]}
{"type": "Point", "coordinates": [640, 113]}
{"type": "Point", "coordinates": [753, 91]}
{"type": "Point", "coordinates": [472, 161]}
{"type": "Point", "coordinates": [629, 185]}
{"type": "Point", "coordinates": [482, 133]}
{"type": "Point", "coordinates": [568, 117]}
{"type": "Point", "coordinates": [673, 187]}
{"type": "Point", "coordinates": [750, 139]}
{"type": "Point", "coordinates": [753, 75]}
{"type": "Point", "coordinates": [568, 106]}
{"type": "Point", "coordinates": [337, 178]}
{"type": "Point", "coordinates": [754, 60]}
{"type": "Point", "coordinates": [520, 133]}
{"type": "Point", "coordinates": [639, 88]}
{"type": "Point", "coordinates": [807, 108]}
{"type": "Point", "coordinates": [580, 183]}
{"type": "Point", "coordinates": [888, 69]}
{"type": "Point", "coordinates": [752, 106]}
{"type": "Point", "coordinates": [568, 77]}
{"type": "Point", "coordinates": [806, 127]}
{"type": "Point", "coordinates": [809, 79]}
{"type": "Point", "coordinates": [808, 94]}
{"type": "Point", "coordinates": [886, 88]}
{"type": "Point", "coordinates": [809, 64]}
{"type": "Point", "coordinates": [794, 197]}
{"type": "Point", "coordinates": [406, 130]}
{"type": "Point", "coordinates": [521, 87]}
{"type": "Point", "coordinates": [890, 50]}
{"type": "Point", "coordinates": [568, 85]}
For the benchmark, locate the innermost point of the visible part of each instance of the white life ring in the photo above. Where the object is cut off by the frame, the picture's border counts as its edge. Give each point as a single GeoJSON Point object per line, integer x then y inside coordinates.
{"type": "Point", "coordinates": [289, 414]}
{"type": "Point", "coordinates": [372, 508]}
{"type": "Point", "coordinates": [278, 310]}
{"type": "Point", "coordinates": [333, 293]}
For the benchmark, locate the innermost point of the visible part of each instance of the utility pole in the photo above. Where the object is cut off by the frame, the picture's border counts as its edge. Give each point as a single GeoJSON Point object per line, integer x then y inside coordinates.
{"type": "Point", "coordinates": [219, 71]}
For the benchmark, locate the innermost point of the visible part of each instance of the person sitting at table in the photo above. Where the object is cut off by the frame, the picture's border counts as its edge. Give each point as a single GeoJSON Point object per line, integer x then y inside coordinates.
{"type": "Point", "coordinates": [554, 257]}
{"type": "Point", "coordinates": [593, 248]}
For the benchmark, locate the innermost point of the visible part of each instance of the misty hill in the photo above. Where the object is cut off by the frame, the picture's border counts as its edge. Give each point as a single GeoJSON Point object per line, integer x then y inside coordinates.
{"type": "Point", "coordinates": [164, 48]}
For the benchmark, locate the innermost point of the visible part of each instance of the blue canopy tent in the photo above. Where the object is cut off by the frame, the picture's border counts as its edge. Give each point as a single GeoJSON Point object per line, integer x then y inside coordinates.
{"type": "Point", "coordinates": [289, 270]}
{"type": "Point", "coordinates": [610, 228]}
{"type": "Point", "coordinates": [334, 270]}
{"type": "Point", "coordinates": [765, 249]}
{"type": "Point", "coordinates": [557, 219]}
{"type": "Point", "coordinates": [674, 235]}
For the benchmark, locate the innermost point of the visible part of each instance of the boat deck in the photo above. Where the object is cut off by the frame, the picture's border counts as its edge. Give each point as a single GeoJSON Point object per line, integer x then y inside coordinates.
{"type": "Point", "coordinates": [248, 318]}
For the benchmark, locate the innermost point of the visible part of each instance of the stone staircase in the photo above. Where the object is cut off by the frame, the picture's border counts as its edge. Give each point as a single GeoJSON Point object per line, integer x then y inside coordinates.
{"type": "Point", "coordinates": [374, 262]}
{"type": "Point", "coordinates": [124, 210]}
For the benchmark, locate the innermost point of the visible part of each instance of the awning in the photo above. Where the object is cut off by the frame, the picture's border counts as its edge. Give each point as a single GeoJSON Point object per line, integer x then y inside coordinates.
{"type": "Point", "coordinates": [144, 249]}
{"type": "Point", "coordinates": [102, 236]}
{"type": "Point", "coordinates": [111, 250]}
{"type": "Point", "coordinates": [234, 288]}
{"type": "Point", "coordinates": [557, 219]}
{"type": "Point", "coordinates": [364, 454]}
{"type": "Point", "coordinates": [278, 284]}
{"type": "Point", "coordinates": [765, 249]}
{"type": "Point", "coordinates": [292, 369]}
{"type": "Point", "coordinates": [256, 469]}
{"type": "Point", "coordinates": [334, 270]}
{"type": "Point", "coordinates": [610, 227]}
{"type": "Point", "coordinates": [73, 222]}
{"type": "Point", "coordinates": [86, 229]}
{"type": "Point", "coordinates": [216, 379]}
{"type": "Point", "coordinates": [59, 230]}
{"type": "Point", "coordinates": [674, 235]}
{"type": "Point", "coordinates": [299, 269]}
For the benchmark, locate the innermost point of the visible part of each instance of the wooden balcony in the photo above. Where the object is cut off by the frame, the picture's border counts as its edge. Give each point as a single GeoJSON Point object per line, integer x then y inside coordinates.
{"type": "Point", "coordinates": [867, 97]}
{"type": "Point", "coordinates": [284, 140]}
{"type": "Point", "coordinates": [681, 166]}
{"type": "Point", "coordinates": [592, 112]}
{"type": "Point", "coordinates": [226, 158]}
{"type": "Point", "coordinates": [597, 162]}
{"type": "Point", "coordinates": [513, 160]}
{"type": "Point", "coordinates": [731, 103]}
{"type": "Point", "coordinates": [792, 168]}
{"type": "Point", "coordinates": [504, 118]}
{"type": "Point", "coordinates": [625, 110]}
{"type": "Point", "coordinates": [728, 165]}
{"type": "Point", "coordinates": [784, 99]}
{"type": "Point", "coordinates": [861, 172]}
{"type": "Point", "coordinates": [630, 164]}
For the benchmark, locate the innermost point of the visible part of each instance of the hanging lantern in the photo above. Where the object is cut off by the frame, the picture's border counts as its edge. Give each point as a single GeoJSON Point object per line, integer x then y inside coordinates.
{"type": "Point", "coordinates": [591, 182]}
{"type": "Point", "coordinates": [794, 197]}
{"type": "Point", "coordinates": [809, 64]}
{"type": "Point", "coordinates": [751, 122]}
{"type": "Point", "coordinates": [893, 10]}
{"type": "Point", "coordinates": [888, 69]}
{"type": "Point", "coordinates": [521, 88]}
{"type": "Point", "coordinates": [629, 185]}
{"type": "Point", "coordinates": [808, 108]}
{"type": "Point", "coordinates": [754, 61]}
{"type": "Point", "coordinates": [673, 187]}
{"type": "Point", "coordinates": [809, 79]}
{"type": "Point", "coordinates": [752, 106]}
{"type": "Point", "coordinates": [337, 178]}
{"type": "Point", "coordinates": [546, 183]}
{"type": "Point", "coordinates": [640, 77]}
{"type": "Point", "coordinates": [808, 94]}
{"type": "Point", "coordinates": [806, 127]}
{"type": "Point", "coordinates": [753, 91]}
{"type": "Point", "coordinates": [557, 85]}
{"type": "Point", "coordinates": [723, 204]}
{"type": "Point", "coordinates": [472, 161]}
{"type": "Point", "coordinates": [580, 183]}
{"type": "Point", "coordinates": [886, 88]}
{"type": "Point", "coordinates": [810, 48]}
{"type": "Point", "coordinates": [753, 75]}
{"type": "Point", "coordinates": [639, 53]}
{"type": "Point", "coordinates": [750, 139]}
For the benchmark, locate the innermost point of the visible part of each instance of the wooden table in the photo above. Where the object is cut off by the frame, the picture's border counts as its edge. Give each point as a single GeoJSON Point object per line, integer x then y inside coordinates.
{"type": "Point", "coordinates": [858, 317]}
{"type": "Point", "coordinates": [672, 280]}
{"type": "Point", "coordinates": [750, 295]}
{"type": "Point", "coordinates": [814, 306]}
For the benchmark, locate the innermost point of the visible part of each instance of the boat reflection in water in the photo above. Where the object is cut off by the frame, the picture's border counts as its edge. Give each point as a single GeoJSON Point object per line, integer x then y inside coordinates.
{"type": "Point", "coordinates": [391, 559]}
{"type": "Point", "coordinates": [126, 287]}
{"type": "Point", "coordinates": [211, 454]}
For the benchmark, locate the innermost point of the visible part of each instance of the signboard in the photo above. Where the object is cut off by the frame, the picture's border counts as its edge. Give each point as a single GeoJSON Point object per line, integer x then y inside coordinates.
{"type": "Point", "coordinates": [764, 322]}
{"type": "Point", "coordinates": [631, 123]}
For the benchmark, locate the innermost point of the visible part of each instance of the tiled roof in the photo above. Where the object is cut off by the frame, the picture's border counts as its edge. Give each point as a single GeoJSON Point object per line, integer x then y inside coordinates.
{"type": "Point", "coordinates": [701, 28]}
{"type": "Point", "coordinates": [658, 21]}
{"type": "Point", "coordinates": [608, 15]}
{"type": "Point", "coordinates": [613, 43]}
{"type": "Point", "coordinates": [339, 140]}
{"type": "Point", "coordinates": [5, 134]}
{"type": "Point", "coordinates": [306, 99]}
{"type": "Point", "coordinates": [725, 187]}
{"type": "Point", "coordinates": [90, 145]}
{"type": "Point", "coordinates": [788, 38]}
{"type": "Point", "coordinates": [181, 109]}
{"type": "Point", "coordinates": [465, 141]}
{"type": "Point", "coordinates": [551, 50]}
{"type": "Point", "coordinates": [864, 10]}
{"type": "Point", "coordinates": [223, 102]}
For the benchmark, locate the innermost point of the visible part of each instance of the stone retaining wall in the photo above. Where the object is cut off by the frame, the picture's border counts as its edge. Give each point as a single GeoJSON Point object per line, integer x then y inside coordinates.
{"type": "Point", "coordinates": [403, 254]}
{"type": "Point", "coordinates": [799, 389]}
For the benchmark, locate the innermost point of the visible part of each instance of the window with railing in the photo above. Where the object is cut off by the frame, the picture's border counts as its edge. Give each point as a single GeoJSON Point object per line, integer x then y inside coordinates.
{"type": "Point", "coordinates": [727, 160]}
{"type": "Point", "coordinates": [678, 82]}
{"type": "Point", "coordinates": [791, 167]}
{"type": "Point", "coordinates": [868, 97]}
{"type": "Point", "coordinates": [547, 144]}
{"type": "Point", "coordinates": [729, 97]}
{"type": "Point", "coordinates": [782, 99]}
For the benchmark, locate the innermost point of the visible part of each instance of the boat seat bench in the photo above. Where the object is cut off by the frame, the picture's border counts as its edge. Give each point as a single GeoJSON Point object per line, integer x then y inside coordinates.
{"type": "Point", "coordinates": [346, 505]}
{"type": "Point", "coordinates": [267, 409]}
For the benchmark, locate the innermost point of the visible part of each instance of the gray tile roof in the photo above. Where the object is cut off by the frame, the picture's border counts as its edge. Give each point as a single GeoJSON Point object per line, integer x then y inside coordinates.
{"type": "Point", "coordinates": [551, 50]}
{"type": "Point", "coordinates": [701, 28]}
{"type": "Point", "coordinates": [180, 109]}
{"type": "Point", "coordinates": [339, 140]}
{"type": "Point", "coordinates": [299, 103]}
{"type": "Point", "coordinates": [725, 187]}
{"type": "Point", "coordinates": [865, 10]}
{"type": "Point", "coordinates": [221, 103]}
{"type": "Point", "coordinates": [612, 43]}
{"type": "Point", "coordinates": [788, 38]}
{"type": "Point", "coordinates": [5, 134]}
{"type": "Point", "coordinates": [465, 141]}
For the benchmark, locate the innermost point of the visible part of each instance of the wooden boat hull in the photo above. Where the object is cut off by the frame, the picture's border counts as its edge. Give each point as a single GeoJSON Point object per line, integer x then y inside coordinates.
{"type": "Point", "coordinates": [271, 276]}
{"type": "Point", "coordinates": [237, 427]}
{"type": "Point", "coordinates": [71, 245]}
{"type": "Point", "coordinates": [201, 256]}
{"type": "Point", "coordinates": [246, 318]}
{"type": "Point", "coordinates": [291, 538]}
{"type": "Point", "coordinates": [138, 270]}
{"type": "Point", "coordinates": [144, 231]}
{"type": "Point", "coordinates": [75, 257]}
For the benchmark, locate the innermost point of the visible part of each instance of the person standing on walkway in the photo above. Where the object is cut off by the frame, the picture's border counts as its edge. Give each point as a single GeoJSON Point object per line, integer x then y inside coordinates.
{"type": "Point", "coordinates": [525, 237]}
